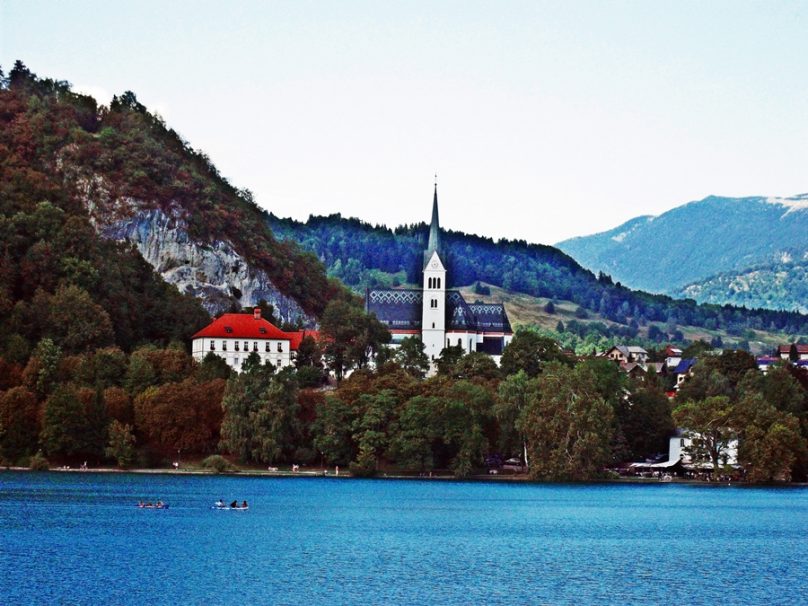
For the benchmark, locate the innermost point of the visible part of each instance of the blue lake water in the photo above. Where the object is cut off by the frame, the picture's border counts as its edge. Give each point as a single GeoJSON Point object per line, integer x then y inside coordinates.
{"type": "Point", "coordinates": [77, 538]}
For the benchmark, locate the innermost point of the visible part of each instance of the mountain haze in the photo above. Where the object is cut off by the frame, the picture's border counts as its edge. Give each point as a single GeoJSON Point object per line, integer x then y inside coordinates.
{"type": "Point", "coordinates": [697, 240]}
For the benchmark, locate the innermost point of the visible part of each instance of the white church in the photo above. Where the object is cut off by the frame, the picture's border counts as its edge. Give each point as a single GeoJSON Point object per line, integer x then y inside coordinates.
{"type": "Point", "coordinates": [440, 317]}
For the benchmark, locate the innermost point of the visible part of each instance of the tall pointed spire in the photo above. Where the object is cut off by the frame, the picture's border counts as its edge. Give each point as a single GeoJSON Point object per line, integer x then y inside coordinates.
{"type": "Point", "coordinates": [434, 226]}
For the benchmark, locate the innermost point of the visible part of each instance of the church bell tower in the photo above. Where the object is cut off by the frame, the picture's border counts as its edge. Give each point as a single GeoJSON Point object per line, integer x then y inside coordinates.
{"type": "Point", "coordinates": [433, 313]}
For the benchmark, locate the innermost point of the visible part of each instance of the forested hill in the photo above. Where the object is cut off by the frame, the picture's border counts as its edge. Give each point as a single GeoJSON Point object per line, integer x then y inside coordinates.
{"type": "Point", "coordinates": [76, 176]}
{"type": "Point", "coordinates": [699, 240]}
{"type": "Point", "coordinates": [363, 255]}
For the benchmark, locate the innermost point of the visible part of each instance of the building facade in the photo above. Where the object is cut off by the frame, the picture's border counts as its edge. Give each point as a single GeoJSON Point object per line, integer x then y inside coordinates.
{"type": "Point", "coordinates": [440, 317]}
{"type": "Point", "coordinates": [233, 337]}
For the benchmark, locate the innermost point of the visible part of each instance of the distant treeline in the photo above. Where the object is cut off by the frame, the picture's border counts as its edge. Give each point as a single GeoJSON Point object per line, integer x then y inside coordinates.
{"type": "Point", "coordinates": [358, 252]}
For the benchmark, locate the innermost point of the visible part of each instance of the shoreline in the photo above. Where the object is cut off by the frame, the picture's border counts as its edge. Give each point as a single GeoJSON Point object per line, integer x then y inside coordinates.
{"type": "Point", "coordinates": [310, 474]}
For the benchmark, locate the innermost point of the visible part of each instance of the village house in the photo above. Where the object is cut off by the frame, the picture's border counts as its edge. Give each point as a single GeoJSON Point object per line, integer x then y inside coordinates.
{"type": "Point", "coordinates": [233, 337]}
{"type": "Point", "coordinates": [679, 444]}
{"type": "Point", "coordinates": [683, 371]}
{"type": "Point", "coordinates": [440, 317]}
{"type": "Point", "coordinates": [627, 354]}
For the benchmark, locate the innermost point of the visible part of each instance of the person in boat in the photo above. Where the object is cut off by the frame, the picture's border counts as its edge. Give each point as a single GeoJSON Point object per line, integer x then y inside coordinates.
{"type": "Point", "coordinates": [244, 504]}
{"type": "Point", "coordinates": [219, 503]}
{"type": "Point", "coordinates": [234, 504]}
{"type": "Point", "coordinates": [141, 504]}
{"type": "Point", "coordinates": [159, 504]}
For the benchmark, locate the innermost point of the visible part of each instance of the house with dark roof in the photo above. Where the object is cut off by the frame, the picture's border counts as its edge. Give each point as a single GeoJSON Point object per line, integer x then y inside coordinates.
{"type": "Point", "coordinates": [233, 337]}
{"type": "Point", "coordinates": [440, 317]}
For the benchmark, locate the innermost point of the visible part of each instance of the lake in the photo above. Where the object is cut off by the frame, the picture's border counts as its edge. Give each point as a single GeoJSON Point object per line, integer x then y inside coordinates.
{"type": "Point", "coordinates": [78, 538]}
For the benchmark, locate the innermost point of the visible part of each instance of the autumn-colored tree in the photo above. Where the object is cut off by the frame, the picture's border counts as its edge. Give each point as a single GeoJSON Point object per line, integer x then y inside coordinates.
{"type": "Point", "coordinates": [118, 405]}
{"type": "Point", "coordinates": [185, 415]}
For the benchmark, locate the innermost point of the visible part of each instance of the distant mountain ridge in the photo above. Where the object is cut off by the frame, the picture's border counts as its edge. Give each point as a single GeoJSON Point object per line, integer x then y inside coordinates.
{"type": "Point", "coordinates": [693, 242]}
{"type": "Point", "coordinates": [781, 284]}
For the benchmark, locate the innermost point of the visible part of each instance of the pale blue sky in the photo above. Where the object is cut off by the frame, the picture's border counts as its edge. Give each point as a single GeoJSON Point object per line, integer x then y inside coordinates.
{"type": "Point", "coordinates": [544, 120]}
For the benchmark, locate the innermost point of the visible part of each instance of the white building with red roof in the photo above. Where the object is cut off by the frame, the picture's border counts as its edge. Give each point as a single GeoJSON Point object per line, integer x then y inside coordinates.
{"type": "Point", "coordinates": [233, 337]}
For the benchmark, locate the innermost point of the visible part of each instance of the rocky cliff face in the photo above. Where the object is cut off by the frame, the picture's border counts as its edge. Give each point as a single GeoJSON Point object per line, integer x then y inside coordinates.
{"type": "Point", "coordinates": [213, 272]}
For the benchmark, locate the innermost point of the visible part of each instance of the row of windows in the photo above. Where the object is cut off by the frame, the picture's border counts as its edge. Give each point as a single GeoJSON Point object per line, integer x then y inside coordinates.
{"type": "Point", "coordinates": [236, 362]}
{"type": "Point", "coordinates": [433, 282]}
{"type": "Point", "coordinates": [246, 346]}
{"type": "Point", "coordinates": [433, 303]}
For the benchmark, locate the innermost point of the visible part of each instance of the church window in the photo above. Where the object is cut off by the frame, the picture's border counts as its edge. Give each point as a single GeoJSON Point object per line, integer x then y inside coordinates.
{"type": "Point", "coordinates": [458, 340]}
{"type": "Point", "coordinates": [433, 325]}
{"type": "Point", "coordinates": [429, 282]}
{"type": "Point", "coordinates": [438, 286]}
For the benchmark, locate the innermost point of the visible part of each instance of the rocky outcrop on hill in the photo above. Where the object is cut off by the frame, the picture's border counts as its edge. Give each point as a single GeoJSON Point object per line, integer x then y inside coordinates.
{"type": "Point", "coordinates": [213, 272]}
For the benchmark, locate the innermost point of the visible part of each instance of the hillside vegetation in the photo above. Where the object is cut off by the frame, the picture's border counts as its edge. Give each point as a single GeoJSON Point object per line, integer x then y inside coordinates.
{"type": "Point", "coordinates": [363, 256]}
{"type": "Point", "coordinates": [777, 285]}
{"type": "Point", "coordinates": [91, 165]}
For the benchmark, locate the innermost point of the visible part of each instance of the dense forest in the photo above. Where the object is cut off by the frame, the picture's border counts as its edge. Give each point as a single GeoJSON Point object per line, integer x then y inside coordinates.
{"type": "Point", "coordinates": [565, 419]}
{"type": "Point", "coordinates": [362, 255]}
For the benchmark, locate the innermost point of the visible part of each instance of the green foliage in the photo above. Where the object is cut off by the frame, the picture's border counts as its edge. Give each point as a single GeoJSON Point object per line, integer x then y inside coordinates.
{"type": "Point", "coordinates": [261, 416]}
{"type": "Point", "coordinates": [332, 431]}
{"type": "Point", "coordinates": [68, 427]}
{"type": "Point", "coordinates": [38, 462]}
{"type": "Point", "coordinates": [710, 426]}
{"type": "Point", "coordinates": [412, 358]}
{"type": "Point", "coordinates": [351, 336]}
{"type": "Point", "coordinates": [527, 351]}
{"type": "Point", "coordinates": [121, 446]}
{"type": "Point", "coordinates": [218, 464]}
{"type": "Point", "coordinates": [568, 425]}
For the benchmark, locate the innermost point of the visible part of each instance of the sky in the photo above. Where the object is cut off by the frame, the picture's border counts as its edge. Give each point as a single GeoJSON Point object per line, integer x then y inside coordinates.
{"type": "Point", "coordinates": [542, 120]}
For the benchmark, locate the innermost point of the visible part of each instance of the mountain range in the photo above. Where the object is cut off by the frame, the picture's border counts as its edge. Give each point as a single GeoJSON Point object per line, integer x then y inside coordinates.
{"type": "Point", "coordinates": [748, 251]}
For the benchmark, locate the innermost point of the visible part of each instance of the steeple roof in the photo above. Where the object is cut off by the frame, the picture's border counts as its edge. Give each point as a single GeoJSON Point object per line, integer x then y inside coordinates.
{"type": "Point", "coordinates": [434, 230]}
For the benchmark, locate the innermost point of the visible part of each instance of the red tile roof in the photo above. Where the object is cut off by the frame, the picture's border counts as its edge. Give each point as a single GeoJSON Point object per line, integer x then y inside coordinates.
{"type": "Point", "coordinates": [297, 337]}
{"type": "Point", "coordinates": [241, 326]}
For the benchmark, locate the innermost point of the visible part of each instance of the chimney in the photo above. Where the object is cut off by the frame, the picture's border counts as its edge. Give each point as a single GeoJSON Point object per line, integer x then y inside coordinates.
{"type": "Point", "coordinates": [257, 313]}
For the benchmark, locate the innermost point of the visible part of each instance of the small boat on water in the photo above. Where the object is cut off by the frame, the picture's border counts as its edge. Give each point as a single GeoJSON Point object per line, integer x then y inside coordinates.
{"type": "Point", "coordinates": [234, 506]}
{"type": "Point", "coordinates": [158, 505]}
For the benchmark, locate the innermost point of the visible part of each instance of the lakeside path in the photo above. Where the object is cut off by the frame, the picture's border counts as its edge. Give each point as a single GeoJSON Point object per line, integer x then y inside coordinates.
{"type": "Point", "coordinates": [321, 473]}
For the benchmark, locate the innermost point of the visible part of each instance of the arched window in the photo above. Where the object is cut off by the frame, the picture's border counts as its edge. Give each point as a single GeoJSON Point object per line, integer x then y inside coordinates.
{"type": "Point", "coordinates": [438, 286]}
